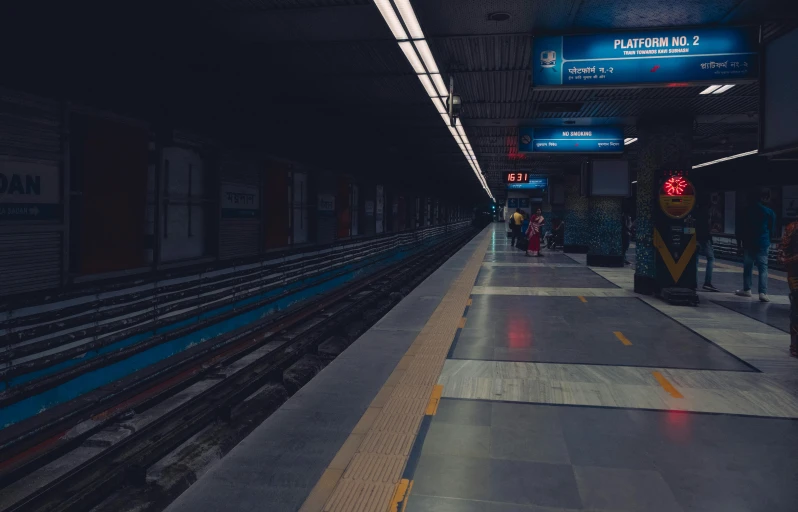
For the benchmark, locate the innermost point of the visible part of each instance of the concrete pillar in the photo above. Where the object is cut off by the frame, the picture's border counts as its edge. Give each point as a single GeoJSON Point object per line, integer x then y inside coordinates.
{"type": "Point", "coordinates": [664, 144]}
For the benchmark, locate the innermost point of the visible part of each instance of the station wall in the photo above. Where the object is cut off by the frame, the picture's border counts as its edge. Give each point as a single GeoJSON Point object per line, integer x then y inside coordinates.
{"type": "Point", "coordinates": [88, 196]}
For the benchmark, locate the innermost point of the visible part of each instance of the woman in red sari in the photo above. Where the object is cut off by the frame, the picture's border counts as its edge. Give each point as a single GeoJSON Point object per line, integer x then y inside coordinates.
{"type": "Point", "coordinates": [533, 233]}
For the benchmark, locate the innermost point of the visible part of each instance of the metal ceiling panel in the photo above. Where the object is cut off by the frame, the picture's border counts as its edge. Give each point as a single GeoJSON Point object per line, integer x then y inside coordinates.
{"type": "Point", "coordinates": [624, 14]}
{"type": "Point", "coordinates": [447, 17]}
{"type": "Point", "coordinates": [271, 5]}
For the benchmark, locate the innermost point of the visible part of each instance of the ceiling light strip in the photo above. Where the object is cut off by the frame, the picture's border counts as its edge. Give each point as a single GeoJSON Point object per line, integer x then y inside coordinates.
{"type": "Point", "coordinates": [412, 57]}
{"type": "Point", "coordinates": [427, 83]}
{"type": "Point", "coordinates": [747, 153]}
{"type": "Point", "coordinates": [409, 17]}
{"type": "Point", "coordinates": [433, 82]}
{"type": "Point", "coordinates": [437, 79]}
{"type": "Point", "coordinates": [390, 17]}
{"type": "Point", "coordinates": [426, 56]}
{"type": "Point", "coordinates": [710, 89]}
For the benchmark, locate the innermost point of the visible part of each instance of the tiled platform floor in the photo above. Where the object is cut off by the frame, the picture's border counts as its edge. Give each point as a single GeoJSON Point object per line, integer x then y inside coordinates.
{"type": "Point", "coordinates": [565, 392]}
{"type": "Point", "coordinates": [496, 456]}
{"type": "Point", "coordinates": [567, 330]}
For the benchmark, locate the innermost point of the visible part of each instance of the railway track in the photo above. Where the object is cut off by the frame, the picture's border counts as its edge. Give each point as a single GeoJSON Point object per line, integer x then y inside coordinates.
{"type": "Point", "coordinates": [213, 385]}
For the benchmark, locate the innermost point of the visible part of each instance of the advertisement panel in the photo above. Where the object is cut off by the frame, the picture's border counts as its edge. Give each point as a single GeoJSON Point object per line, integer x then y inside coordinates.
{"type": "Point", "coordinates": [647, 57]}
{"type": "Point", "coordinates": [587, 139]}
{"type": "Point", "coordinates": [239, 201]}
{"type": "Point", "coordinates": [29, 191]}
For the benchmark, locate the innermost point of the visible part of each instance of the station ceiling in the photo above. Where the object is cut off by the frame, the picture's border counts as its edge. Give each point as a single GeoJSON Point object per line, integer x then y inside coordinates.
{"type": "Point", "coordinates": [324, 81]}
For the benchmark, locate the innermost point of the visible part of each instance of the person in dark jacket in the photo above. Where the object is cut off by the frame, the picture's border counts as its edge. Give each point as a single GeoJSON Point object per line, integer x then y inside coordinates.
{"type": "Point", "coordinates": [760, 223]}
{"type": "Point", "coordinates": [704, 239]}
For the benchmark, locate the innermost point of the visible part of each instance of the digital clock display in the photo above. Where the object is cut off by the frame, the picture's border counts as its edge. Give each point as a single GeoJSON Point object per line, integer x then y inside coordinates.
{"type": "Point", "coordinates": [516, 177]}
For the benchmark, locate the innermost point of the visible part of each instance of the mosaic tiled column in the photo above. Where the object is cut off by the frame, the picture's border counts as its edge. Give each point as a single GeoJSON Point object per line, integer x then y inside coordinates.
{"type": "Point", "coordinates": [664, 144]}
{"type": "Point", "coordinates": [604, 232]}
{"type": "Point", "coordinates": [576, 217]}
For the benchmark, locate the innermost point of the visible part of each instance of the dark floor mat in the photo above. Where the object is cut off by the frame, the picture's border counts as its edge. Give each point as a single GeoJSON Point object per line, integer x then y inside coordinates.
{"type": "Point", "coordinates": [567, 330]}
{"type": "Point", "coordinates": [774, 315]}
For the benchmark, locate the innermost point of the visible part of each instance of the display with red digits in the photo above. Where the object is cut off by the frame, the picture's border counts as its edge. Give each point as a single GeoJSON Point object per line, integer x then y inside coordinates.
{"type": "Point", "coordinates": [516, 177]}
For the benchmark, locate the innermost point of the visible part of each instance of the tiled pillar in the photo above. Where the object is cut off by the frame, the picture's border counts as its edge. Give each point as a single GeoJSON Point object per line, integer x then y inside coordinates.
{"type": "Point", "coordinates": [576, 217]}
{"type": "Point", "coordinates": [604, 232]}
{"type": "Point", "coordinates": [664, 144]}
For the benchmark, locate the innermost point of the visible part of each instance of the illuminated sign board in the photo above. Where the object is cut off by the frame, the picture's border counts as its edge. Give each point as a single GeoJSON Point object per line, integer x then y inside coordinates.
{"type": "Point", "coordinates": [587, 139]}
{"type": "Point", "coordinates": [661, 56]}
{"type": "Point", "coordinates": [532, 184]}
{"type": "Point", "coordinates": [676, 197]}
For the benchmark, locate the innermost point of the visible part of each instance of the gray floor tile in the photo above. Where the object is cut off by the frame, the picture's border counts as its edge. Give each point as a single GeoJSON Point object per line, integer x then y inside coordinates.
{"type": "Point", "coordinates": [731, 491]}
{"type": "Point", "coordinates": [624, 489]}
{"type": "Point", "coordinates": [563, 277]}
{"type": "Point", "coordinates": [462, 440]}
{"type": "Point", "coordinates": [516, 444]}
{"type": "Point", "coordinates": [475, 353]}
{"type": "Point", "coordinates": [464, 412]}
{"type": "Point", "coordinates": [541, 419]}
{"type": "Point", "coordinates": [774, 315]}
{"type": "Point", "coordinates": [609, 451]}
{"type": "Point", "coordinates": [533, 483]}
{"type": "Point", "coordinates": [418, 503]}
{"type": "Point", "coordinates": [451, 476]}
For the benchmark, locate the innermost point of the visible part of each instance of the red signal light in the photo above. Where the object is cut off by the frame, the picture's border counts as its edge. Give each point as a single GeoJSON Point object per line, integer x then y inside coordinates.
{"type": "Point", "coordinates": [675, 186]}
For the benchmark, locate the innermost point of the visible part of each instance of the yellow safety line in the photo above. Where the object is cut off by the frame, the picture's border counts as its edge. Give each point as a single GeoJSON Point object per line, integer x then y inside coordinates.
{"type": "Point", "coordinates": [461, 325]}
{"type": "Point", "coordinates": [434, 400]}
{"type": "Point", "coordinates": [400, 494]}
{"type": "Point", "coordinates": [622, 338]}
{"type": "Point", "coordinates": [667, 386]}
{"type": "Point", "coordinates": [582, 299]}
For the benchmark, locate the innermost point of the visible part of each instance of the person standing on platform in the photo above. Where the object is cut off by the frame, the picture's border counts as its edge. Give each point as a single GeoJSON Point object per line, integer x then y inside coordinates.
{"type": "Point", "coordinates": [788, 255]}
{"type": "Point", "coordinates": [759, 228]}
{"type": "Point", "coordinates": [704, 239]}
{"type": "Point", "coordinates": [516, 219]}
{"type": "Point", "coordinates": [626, 235]}
{"type": "Point", "coordinates": [533, 233]}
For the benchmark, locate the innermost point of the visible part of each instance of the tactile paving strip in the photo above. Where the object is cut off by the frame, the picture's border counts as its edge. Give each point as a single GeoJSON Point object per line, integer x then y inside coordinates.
{"type": "Point", "coordinates": [365, 473]}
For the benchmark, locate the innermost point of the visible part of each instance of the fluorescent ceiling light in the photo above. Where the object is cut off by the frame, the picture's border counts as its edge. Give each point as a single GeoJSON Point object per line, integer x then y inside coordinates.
{"type": "Point", "coordinates": [433, 83]}
{"type": "Point", "coordinates": [410, 53]}
{"type": "Point", "coordinates": [723, 89]}
{"type": "Point", "coordinates": [427, 83]}
{"type": "Point", "coordinates": [440, 84]}
{"type": "Point", "coordinates": [426, 56]}
{"type": "Point", "coordinates": [635, 181]}
{"type": "Point", "coordinates": [710, 89]}
{"type": "Point", "coordinates": [389, 15]}
{"type": "Point", "coordinates": [726, 158]}
{"type": "Point", "coordinates": [409, 17]}
{"type": "Point", "coordinates": [630, 140]}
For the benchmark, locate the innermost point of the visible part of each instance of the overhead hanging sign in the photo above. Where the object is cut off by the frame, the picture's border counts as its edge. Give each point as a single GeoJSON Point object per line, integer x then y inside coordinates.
{"type": "Point", "coordinates": [586, 139]}
{"type": "Point", "coordinates": [647, 57]}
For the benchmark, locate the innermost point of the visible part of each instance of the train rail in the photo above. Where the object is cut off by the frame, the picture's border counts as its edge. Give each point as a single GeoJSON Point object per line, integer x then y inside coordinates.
{"type": "Point", "coordinates": [183, 397]}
